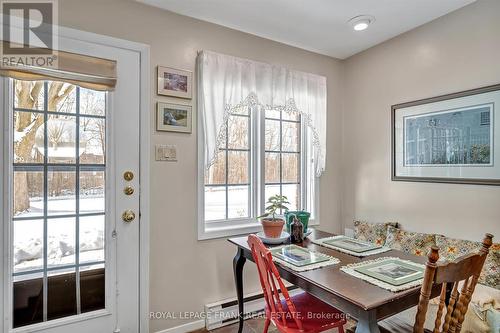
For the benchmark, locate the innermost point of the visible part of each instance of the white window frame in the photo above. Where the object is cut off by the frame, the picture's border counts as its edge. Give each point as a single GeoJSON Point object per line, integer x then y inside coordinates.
{"type": "Point", "coordinates": [309, 183]}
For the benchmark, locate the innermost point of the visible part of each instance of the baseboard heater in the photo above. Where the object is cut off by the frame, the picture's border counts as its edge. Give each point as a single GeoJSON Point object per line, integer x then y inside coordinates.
{"type": "Point", "coordinates": [225, 312]}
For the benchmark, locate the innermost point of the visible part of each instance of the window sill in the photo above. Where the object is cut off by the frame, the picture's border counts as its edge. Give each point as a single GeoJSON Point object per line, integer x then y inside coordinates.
{"type": "Point", "coordinates": [212, 230]}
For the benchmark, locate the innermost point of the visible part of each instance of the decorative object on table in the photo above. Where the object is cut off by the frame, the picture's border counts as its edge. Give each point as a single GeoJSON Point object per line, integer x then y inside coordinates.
{"type": "Point", "coordinates": [297, 231]}
{"type": "Point", "coordinates": [354, 247]}
{"type": "Point", "coordinates": [415, 243]}
{"type": "Point", "coordinates": [375, 233]}
{"type": "Point", "coordinates": [174, 117]}
{"type": "Point", "coordinates": [283, 238]}
{"type": "Point", "coordinates": [271, 224]}
{"type": "Point", "coordinates": [301, 259]}
{"type": "Point", "coordinates": [448, 139]}
{"type": "Point", "coordinates": [389, 273]}
{"type": "Point", "coordinates": [174, 82]}
{"type": "Point", "coordinates": [301, 214]}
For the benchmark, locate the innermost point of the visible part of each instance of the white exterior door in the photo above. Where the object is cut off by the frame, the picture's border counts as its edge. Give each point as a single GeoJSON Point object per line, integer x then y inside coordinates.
{"type": "Point", "coordinates": [71, 261]}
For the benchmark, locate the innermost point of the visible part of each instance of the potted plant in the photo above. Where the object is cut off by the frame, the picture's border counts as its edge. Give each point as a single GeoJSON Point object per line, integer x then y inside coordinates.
{"type": "Point", "coordinates": [272, 224]}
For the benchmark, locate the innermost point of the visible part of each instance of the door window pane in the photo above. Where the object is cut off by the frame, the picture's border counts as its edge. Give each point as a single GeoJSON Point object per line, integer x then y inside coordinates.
{"type": "Point", "coordinates": [28, 198]}
{"type": "Point", "coordinates": [92, 102]}
{"type": "Point", "coordinates": [238, 132]}
{"type": "Point", "coordinates": [290, 136]}
{"type": "Point", "coordinates": [28, 297]}
{"type": "Point", "coordinates": [29, 95]}
{"type": "Point", "coordinates": [92, 140]}
{"type": "Point", "coordinates": [28, 245]}
{"type": "Point", "coordinates": [58, 180]}
{"type": "Point", "coordinates": [92, 192]}
{"type": "Point", "coordinates": [61, 198]}
{"type": "Point", "coordinates": [92, 239]}
{"type": "Point", "coordinates": [290, 163]}
{"type": "Point", "coordinates": [61, 242]}
{"type": "Point", "coordinates": [61, 294]}
{"type": "Point", "coordinates": [272, 139]}
{"type": "Point", "coordinates": [61, 97]}
{"type": "Point", "coordinates": [216, 174]}
{"type": "Point", "coordinates": [28, 137]}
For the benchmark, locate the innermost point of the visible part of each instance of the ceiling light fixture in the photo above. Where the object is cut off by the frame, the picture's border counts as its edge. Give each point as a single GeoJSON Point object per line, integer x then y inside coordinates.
{"type": "Point", "coordinates": [361, 22]}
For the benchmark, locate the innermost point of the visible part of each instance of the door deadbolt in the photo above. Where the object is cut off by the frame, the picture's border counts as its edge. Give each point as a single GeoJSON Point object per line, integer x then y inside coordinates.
{"type": "Point", "coordinates": [128, 175]}
{"type": "Point", "coordinates": [128, 190]}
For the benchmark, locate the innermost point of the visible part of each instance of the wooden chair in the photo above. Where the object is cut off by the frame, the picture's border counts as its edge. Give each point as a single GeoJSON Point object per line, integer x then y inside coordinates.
{"type": "Point", "coordinates": [300, 313]}
{"type": "Point", "coordinates": [465, 270]}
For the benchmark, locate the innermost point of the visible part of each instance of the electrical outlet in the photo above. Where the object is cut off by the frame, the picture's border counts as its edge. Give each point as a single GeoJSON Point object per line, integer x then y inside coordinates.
{"type": "Point", "coordinates": [166, 153]}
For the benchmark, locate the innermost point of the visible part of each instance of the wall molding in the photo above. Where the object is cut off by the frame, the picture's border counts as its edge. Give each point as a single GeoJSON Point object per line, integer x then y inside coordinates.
{"type": "Point", "coordinates": [185, 328]}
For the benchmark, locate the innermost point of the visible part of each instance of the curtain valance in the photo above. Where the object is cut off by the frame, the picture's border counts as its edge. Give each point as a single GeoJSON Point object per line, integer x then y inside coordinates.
{"type": "Point", "coordinates": [86, 71]}
{"type": "Point", "coordinates": [226, 83]}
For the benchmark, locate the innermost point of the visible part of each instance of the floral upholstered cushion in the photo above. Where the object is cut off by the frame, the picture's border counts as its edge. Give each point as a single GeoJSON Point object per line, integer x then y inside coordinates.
{"type": "Point", "coordinates": [490, 276]}
{"type": "Point", "coordinates": [410, 242]}
{"type": "Point", "coordinates": [451, 249]}
{"type": "Point", "coordinates": [372, 232]}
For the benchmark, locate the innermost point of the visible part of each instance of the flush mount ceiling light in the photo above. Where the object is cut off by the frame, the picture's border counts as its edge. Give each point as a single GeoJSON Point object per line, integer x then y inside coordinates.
{"type": "Point", "coordinates": [361, 22]}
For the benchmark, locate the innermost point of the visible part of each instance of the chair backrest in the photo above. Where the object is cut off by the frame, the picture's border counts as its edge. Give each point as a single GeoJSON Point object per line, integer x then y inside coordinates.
{"type": "Point", "coordinates": [272, 285]}
{"type": "Point", "coordinates": [465, 270]}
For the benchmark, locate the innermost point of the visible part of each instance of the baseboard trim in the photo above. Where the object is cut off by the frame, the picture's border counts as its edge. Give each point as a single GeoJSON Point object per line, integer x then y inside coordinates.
{"type": "Point", "coordinates": [185, 328]}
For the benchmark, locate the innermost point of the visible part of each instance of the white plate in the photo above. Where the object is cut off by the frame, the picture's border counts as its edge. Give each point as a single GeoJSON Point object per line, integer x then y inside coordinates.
{"type": "Point", "coordinates": [283, 238]}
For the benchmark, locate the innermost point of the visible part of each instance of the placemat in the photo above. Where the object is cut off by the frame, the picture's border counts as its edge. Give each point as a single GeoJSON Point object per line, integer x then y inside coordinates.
{"type": "Point", "coordinates": [321, 242]}
{"type": "Point", "coordinates": [328, 262]}
{"type": "Point", "coordinates": [350, 269]}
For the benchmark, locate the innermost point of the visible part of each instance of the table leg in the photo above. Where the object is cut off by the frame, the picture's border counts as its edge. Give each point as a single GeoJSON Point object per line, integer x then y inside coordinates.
{"type": "Point", "coordinates": [367, 323]}
{"type": "Point", "coordinates": [238, 263]}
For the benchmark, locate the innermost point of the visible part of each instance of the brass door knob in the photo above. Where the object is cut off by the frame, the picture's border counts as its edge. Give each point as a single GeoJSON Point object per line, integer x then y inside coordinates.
{"type": "Point", "coordinates": [128, 216]}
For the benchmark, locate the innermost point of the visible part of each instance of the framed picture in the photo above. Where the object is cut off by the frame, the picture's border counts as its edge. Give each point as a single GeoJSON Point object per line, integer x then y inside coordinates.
{"type": "Point", "coordinates": [174, 117]}
{"type": "Point", "coordinates": [392, 271]}
{"type": "Point", "coordinates": [448, 139]}
{"type": "Point", "coordinates": [352, 244]}
{"type": "Point", "coordinates": [298, 256]}
{"type": "Point", "coordinates": [174, 82]}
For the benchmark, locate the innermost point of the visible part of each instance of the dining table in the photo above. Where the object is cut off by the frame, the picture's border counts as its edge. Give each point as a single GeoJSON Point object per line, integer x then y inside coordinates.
{"type": "Point", "coordinates": [361, 300]}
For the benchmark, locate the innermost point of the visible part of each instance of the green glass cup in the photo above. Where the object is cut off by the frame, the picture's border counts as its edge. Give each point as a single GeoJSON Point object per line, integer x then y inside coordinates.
{"type": "Point", "coordinates": [302, 215]}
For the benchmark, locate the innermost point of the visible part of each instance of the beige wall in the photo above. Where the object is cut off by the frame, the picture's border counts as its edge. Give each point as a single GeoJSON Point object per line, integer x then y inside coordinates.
{"type": "Point", "coordinates": [186, 274]}
{"type": "Point", "coordinates": [456, 52]}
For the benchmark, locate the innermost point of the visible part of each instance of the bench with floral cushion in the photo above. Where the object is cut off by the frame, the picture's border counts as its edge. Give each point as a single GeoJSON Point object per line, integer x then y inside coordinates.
{"type": "Point", "coordinates": [484, 309]}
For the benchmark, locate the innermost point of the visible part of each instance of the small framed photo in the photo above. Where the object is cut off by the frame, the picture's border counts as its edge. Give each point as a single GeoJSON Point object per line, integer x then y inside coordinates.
{"type": "Point", "coordinates": [175, 82]}
{"type": "Point", "coordinates": [174, 117]}
{"type": "Point", "coordinates": [352, 244]}
{"type": "Point", "coordinates": [298, 256]}
{"type": "Point", "coordinates": [393, 271]}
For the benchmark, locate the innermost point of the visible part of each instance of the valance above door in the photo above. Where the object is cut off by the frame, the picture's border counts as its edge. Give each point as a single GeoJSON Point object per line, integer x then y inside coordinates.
{"type": "Point", "coordinates": [226, 83]}
{"type": "Point", "coordinates": [82, 70]}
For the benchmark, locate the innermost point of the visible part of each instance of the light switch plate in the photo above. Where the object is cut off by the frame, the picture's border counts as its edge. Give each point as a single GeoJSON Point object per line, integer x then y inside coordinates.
{"type": "Point", "coordinates": [166, 153]}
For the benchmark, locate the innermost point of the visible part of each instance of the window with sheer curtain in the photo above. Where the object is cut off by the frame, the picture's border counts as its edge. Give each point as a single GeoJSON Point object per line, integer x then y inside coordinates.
{"type": "Point", "coordinates": [256, 142]}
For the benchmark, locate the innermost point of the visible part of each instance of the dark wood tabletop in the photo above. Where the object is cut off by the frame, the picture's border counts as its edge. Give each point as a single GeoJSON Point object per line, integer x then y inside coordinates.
{"type": "Point", "coordinates": [360, 299]}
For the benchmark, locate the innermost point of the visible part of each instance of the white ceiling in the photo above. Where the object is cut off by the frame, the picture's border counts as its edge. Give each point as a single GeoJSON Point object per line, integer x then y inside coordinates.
{"type": "Point", "coordinates": [316, 25]}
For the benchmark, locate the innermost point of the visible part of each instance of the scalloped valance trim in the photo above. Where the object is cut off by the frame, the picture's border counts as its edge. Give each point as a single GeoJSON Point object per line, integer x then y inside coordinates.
{"type": "Point", "coordinates": [252, 101]}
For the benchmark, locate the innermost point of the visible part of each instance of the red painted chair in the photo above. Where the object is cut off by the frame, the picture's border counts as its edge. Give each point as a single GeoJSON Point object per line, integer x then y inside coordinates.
{"type": "Point", "coordinates": [300, 313]}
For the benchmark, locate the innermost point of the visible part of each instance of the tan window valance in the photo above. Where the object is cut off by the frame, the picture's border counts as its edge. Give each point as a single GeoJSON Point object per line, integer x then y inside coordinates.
{"type": "Point", "coordinates": [85, 71]}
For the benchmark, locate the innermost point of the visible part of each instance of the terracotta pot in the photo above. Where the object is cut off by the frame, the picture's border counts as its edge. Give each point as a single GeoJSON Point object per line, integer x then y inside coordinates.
{"type": "Point", "coordinates": [272, 228]}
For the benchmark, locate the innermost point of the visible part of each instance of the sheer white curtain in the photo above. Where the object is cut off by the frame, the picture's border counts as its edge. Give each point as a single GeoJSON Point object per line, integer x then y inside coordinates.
{"type": "Point", "coordinates": [227, 82]}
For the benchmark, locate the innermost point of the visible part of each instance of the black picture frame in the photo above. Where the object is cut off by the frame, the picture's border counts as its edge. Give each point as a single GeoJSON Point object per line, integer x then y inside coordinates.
{"type": "Point", "coordinates": [396, 107]}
